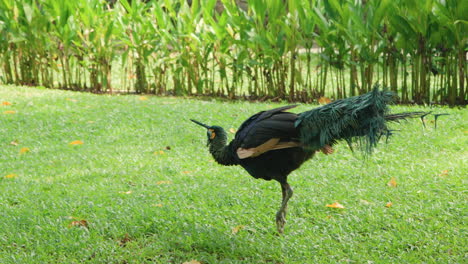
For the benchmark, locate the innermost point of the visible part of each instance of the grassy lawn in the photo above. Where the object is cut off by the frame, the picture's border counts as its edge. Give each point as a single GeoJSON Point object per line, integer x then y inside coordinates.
{"type": "Point", "coordinates": [142, 187]}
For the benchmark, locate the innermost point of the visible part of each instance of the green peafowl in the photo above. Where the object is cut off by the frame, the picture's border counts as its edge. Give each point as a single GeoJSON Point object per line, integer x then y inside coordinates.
{"type": "Point", "coordinates": [273, 143]}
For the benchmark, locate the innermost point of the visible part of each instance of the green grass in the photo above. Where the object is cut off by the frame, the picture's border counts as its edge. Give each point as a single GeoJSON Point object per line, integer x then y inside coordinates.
{"type": "Point", "coordinates": [181, 206]}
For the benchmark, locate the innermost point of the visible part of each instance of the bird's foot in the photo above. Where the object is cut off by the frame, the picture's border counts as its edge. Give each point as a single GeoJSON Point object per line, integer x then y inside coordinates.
{"type": "Point", "coordinates": [327, 150]}
{"type": "Point", "coordinates": [280, 221]}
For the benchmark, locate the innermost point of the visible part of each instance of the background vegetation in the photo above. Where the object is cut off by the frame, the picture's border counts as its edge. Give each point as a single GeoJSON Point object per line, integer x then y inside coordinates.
{"type": "Point", "coordinates": [124, 179]}
{"type": "Point", "coordinates": [294, 49]}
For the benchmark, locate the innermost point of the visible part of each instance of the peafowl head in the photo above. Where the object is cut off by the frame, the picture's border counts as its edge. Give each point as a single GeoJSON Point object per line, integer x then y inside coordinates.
{"type": "Point", "coordinates": [215, 134]}
{"type": "Point", "coordinates": [217, 140]}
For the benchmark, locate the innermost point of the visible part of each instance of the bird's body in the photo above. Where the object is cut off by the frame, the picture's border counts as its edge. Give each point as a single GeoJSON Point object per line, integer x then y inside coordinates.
{"type": "Point", "coordinates": [273, 143]}
{"type": "Point", "coordinates": [266, 145]}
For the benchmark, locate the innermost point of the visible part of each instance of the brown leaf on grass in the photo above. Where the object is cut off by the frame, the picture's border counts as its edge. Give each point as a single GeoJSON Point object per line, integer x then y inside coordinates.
{"type": "Point", "coordinates": [324, 100]}
{"type": "Point", "coordinates": [389, 204]}
{"type": "Point", "coordinates": [76, 142]}
{"type": "Point", "coordinates": [79, 223]}
{"type": "Point", "coordinates": [159, 152]}
{"type": "Point", "coordinates": [444, 173]}
{"type": "Point", "coordinates": [127, 192]}
{"type": "Point", "coordinates": [24, 150]}
{"type": "Point", "coordinates": [232, 130]}
{"type": "Point", "coordinates": [143, 98]}
{"type": "Point", "coordinates": [192, 262]}
{"type": "Point", "coordinates": [163, 182]}
{"type": "Point", "coordinates": [11, 176]}
{"type": "Point", "coordinates": [9, 112]}
{"type": "Point", "coordinates": [365, 202]}
{"type": "Point", "coordinates": [236, 229]}
{"type": "Point", "coordinates": [336, 205]}
{"type": "Point", "coordinates": [14, 142]}
{"type": "Point", "coordinates": [6, 103]}
{"type": "Point", "coordinates": [123, 242]}
{"type": "Point", "coordinates": [392, 183]}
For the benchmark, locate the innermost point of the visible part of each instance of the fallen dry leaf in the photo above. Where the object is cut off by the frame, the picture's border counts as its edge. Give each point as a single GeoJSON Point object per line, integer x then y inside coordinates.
{"type": "Point", "coordinates": [159, 152]}
{"type": "Point", "coordinates": [143, 98]}
{"type": "Point", "coordinates": [79, 223]}
{"type": "Point", "coordinates": [76, 142]}
{"type": "Point", "coordinates": [392, 182]}
{"type": "Point", "coordinates": [192, 262]}
{"type": "Point", "coordinates": [324, 100]}
{"type": "Point", "coordinates": [158, 205]}
{"type": "Point", "coordinates": [127, 192]}
{"type": "Point", "coordinates": [389, 204]}
{"type": "Point", "coordinates": [24, 150]}
{"type": "Point", "coordinates": [163, 182]}
{"type": "Point", "coordinates": [336, 205]}
{"type": "Point", "coordinates": [11, 176]}
{"type": "Point", "coordinates": [6, 103]}
{"type": "Point", "coordinates": [9, 112]}
{"type": "Point", "coordinates": [14, 142]}
{"type": "Point", "coordinates": [123, 242]}
{"type": "Point", "coordinates": [236, 229]}
{"type": "Point", "coordinates": [232, 130]}
{"type": "Point", "coordinates": [365, 202]}
{"type": "Point", "coordinates": [444, 173]}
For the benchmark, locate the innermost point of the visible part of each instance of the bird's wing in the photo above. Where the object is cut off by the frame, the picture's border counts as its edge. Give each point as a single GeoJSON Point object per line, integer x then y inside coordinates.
{"type": "Point", "coordinates": [271, 144]}
{"type": "Point", "coordinates": [265, 131]}
{"type": "Point", "coordinates": [250, 123]}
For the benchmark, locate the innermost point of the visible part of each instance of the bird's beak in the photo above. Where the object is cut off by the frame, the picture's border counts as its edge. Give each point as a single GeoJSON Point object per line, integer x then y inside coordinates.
{"type": "Point", "coordinates": [203, 125]}
{"type": "Point", "coordinates": [199, 123]}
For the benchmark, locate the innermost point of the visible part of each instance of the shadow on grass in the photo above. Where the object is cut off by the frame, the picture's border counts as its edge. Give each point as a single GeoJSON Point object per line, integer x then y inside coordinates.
{"type": "Point", "coordinates": [180, 239]}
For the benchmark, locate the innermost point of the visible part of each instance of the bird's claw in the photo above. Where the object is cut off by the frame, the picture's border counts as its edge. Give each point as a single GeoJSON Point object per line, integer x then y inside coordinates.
{"type": "Point", "coordinates": [327, 150]}
{"type": "Point", "coordinates": [280, 221]}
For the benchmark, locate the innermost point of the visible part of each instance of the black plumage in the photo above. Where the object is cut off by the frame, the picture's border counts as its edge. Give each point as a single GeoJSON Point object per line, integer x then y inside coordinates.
{"type": "Point", "coordinates": [273, 143]}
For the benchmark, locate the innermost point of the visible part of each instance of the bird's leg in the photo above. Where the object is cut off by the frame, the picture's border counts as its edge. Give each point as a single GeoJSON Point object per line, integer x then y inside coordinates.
{"type": "Point", "coordinates": [281, 214]}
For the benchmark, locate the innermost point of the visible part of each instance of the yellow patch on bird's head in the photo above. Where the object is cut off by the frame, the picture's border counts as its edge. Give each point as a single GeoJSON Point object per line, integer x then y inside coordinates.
{"type": "Point", "coordinates": [213, 134]}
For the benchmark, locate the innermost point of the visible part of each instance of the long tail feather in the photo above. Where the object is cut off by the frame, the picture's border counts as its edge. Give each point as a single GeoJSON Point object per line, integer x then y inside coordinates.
{"type": "Point", "coordinates": [403, 116]}
{"type": "Point", "coordinates": [360, 119]}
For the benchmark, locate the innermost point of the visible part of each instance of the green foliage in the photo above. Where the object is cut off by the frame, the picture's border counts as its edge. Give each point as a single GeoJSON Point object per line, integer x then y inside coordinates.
{"type": "Point", "coordinates": [295, 49]}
